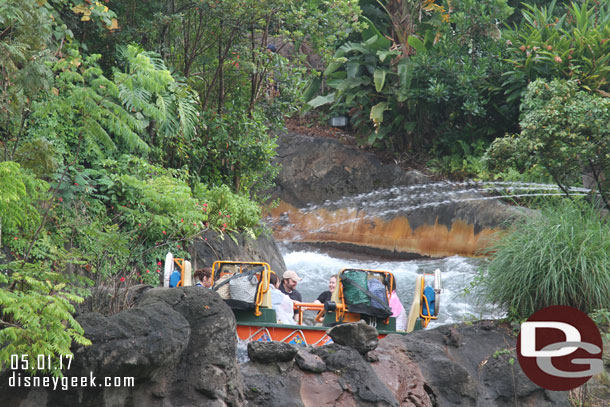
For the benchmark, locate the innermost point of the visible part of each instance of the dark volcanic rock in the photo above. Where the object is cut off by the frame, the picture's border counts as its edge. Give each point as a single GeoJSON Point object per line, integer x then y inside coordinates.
{"type": "Point", "coordinates": [479, 371]}
{"type": "Point", "coordinates": [400, 373]}
{"type": "Point", "coordinates": [271, 352]}
{"type": "Point", "coordinates": [178, 344]}
{"type": "Point", "coordinates": [309, 362]}
{"type": "Point", "coordinates": [212, 247]}
{"type": "Point", "coordinates": [318, 169]}
{"type": "Point", "coordinates": [414, 370]}
{"type": "Point", "coordinates": [349, 381]}
{"type": "Point", "coordinates": [358, 335]}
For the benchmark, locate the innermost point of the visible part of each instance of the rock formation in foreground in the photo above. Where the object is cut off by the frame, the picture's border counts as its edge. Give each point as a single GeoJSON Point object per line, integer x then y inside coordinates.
{"type": "Point", "coordinates": [462, 365]}
{"type": "Point", "coordinates": [180, 346]}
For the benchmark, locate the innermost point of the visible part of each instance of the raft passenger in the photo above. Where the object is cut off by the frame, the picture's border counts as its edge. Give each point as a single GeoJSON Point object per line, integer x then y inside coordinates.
{"type": "Point", "coordinates": [289, 285]}
{"type": "Point", "coordinates": [326, 295]}
{"type": "Point", "coordinates": [281, 303]}
{"type": "Point", "coordinates": [203, 277]}
{"type": "Point", "coordinates": [398, 311]}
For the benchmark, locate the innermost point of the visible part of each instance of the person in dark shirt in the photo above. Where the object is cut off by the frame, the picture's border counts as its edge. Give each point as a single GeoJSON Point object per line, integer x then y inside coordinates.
{"type": "Point", "coordinates": [289, 285]}
{"type": "Point", "coordinates": [326, 295]}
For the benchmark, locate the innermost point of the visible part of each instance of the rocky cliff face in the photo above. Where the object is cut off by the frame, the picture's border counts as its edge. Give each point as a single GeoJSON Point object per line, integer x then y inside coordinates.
{"type": "Point", "coordinates": [319, 176]}
{"type": "Point", "coordinates": [463, 365]}
{"type": "Point", "coordinates": [179, 345]}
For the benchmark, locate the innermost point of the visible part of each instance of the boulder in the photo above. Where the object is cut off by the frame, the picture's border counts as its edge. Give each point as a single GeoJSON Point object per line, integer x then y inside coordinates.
{"type": "Point", "coordinates": [466, 364]}
{"type": "Point", "coordinates": [347, 380]}
{"type": "Point", "coordinates": [358, 335]}
{"type": "Point", "coordinates": [177, 344]}
{"type": "Point", "coordinates": [211, 247]}
{"type": "Point", "coordinates": [476, 366]}
{"type": "Point", "coordinates": [270, 352]}
{"type": "Point", "coordinates": [400, 373]}
{"type": "Point", "coordinates": [309, 362]}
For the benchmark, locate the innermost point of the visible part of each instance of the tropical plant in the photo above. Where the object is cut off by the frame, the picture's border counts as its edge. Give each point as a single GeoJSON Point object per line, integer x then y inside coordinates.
{"type": "Point", "coordinates": [235, 149]}
{"type": "Point", "coordinates": [570, 45]}
{"type": "Point", "coordinates": [433, 83]}
{"type": "Point", "coordinates": [37, 296]}
{"type": "Point", "coordinates": [80, 200]}
{"type": "Point", "coordinates": [221, 46]}
{"type": "Point", "coordinates": [168, 108]}
{"type": "Point", "coordinates": [36, 317]}
{"type": "Point", "coordinates": [228, 210]}
{"type": "Point", "coordinates": [558, 257]}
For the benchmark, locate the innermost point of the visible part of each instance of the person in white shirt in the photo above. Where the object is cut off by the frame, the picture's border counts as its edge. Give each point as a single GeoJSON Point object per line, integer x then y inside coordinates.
{"type": "Point", "coordinates": [281, 303]}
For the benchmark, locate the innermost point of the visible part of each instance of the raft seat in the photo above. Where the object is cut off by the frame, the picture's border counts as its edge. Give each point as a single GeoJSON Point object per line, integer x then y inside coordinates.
{"type": "Point", "coordinates": [226, 272]}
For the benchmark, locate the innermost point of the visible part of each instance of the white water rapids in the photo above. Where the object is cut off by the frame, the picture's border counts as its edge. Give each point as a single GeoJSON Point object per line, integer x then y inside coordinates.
{"type": "Point", "coordinates": [316, 266]}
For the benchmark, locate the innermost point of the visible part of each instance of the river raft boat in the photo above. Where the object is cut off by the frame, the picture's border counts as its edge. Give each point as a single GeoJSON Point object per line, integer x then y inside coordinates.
{"type": "Point", "coordinates": [360, 294]}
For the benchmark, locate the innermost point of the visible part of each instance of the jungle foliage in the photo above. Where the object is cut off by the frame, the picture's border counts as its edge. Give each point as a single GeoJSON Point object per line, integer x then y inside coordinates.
{"type": "Point", "coordinates": [423, 74]}
{"type": "Point", "coordinates": [127, 128]}
{"type": "Point", "coordinates": [126, 132]}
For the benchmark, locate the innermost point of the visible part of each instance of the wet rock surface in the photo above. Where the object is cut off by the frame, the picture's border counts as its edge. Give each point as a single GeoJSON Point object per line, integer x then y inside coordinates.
{"type": "Point", "coordinates": [316, 169]}
{"type": "Point", "coordinates": [178, 344]}
{"type": "Point", "coordinates": [356, 335]}
{"type": "Point", "coordinates": [269, 352]}
{"type": "Point", "coordinates": [418, 370]}
{"type": "Point", "coordinates": [340, 196]}
{"type": "Point", "coordinates": [211, 247]}
{"type": "Point", "coordinates": [477, 366]}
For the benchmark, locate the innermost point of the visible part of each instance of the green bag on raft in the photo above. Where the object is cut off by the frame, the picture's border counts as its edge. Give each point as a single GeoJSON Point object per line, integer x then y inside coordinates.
{"type": "Point", "coordinates": [352, 294]}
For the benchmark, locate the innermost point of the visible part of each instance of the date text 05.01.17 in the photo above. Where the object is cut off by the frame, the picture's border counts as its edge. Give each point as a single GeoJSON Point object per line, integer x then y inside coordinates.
{"type": "Point", "coordinates": [41, 362]}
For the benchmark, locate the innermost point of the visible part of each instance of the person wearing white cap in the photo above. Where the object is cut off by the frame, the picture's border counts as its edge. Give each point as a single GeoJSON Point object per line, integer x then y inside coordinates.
{"type": "Point", "coordinates": [289, 285]}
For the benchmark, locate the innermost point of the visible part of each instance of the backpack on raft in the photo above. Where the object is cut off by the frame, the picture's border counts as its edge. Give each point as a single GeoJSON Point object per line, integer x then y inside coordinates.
{"type": "Point", "coordinates": [378, 289]}
{"type": "Point", "coordinates": [360, 298]}
{"type": "Point", "coordinates": [239, 290]}
{"type": "Point", "coordinates": [430, 297]}
{"type": "Point", "coordinates": [175, 278]}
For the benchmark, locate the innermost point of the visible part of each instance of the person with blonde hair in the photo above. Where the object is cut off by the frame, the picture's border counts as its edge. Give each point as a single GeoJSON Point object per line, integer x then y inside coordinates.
{"type": "Point", "coordinates": [326, 295]}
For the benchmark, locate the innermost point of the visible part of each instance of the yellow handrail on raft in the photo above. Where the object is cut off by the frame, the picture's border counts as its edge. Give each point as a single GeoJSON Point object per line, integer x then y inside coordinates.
{"type": "Point", "coordinates": [263, 287]}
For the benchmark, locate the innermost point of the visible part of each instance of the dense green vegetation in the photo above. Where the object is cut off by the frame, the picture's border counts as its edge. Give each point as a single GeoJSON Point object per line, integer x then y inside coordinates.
{"type": "Point", "coordinates": [128, 131]}
{"type": "Point", "coordinates": [128, 128]}
{"type": "Point", "coordinates": [445, 79]}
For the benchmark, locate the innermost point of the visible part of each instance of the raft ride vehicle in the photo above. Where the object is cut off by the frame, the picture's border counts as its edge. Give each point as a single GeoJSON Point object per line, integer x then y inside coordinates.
{"type": "Point", "coordinates": [360, 294]}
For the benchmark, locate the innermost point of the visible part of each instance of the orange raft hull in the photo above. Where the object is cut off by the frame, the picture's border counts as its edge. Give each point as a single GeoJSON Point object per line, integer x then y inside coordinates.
{"type": "Point", "coordinates": [293, 334]}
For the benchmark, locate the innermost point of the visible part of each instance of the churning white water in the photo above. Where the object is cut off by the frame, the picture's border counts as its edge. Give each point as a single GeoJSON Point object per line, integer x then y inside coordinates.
{"type": "Point", "coordinates": [316, 266]}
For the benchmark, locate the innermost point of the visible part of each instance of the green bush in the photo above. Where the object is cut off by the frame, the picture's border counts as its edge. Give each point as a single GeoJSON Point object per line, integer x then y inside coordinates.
{"type": "Point", "coordinates": [559, 257]}
{"type": "Point", "coordinates": [235, 149]}
{"type": "Point", "coordinates": [550, 44]}
{"type": "Point", "coordinates": [565, 132]}
{"type": "Point", "coordinates": [228, 210]}
{"type": "Point", "coordinates": [439, 89]}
